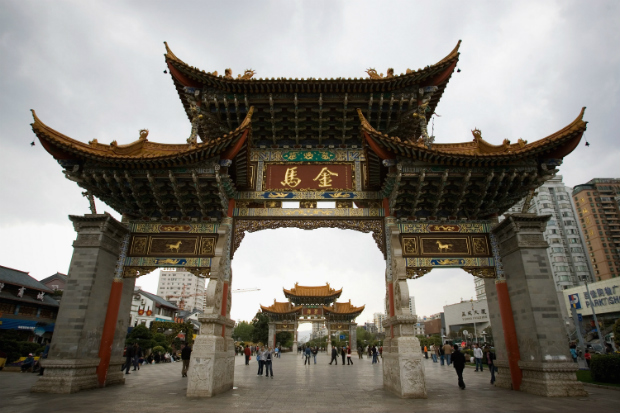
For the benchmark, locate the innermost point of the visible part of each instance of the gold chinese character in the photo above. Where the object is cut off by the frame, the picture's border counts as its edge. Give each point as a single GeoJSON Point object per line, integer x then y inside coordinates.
{"type": "Point", "coordinates": [316, 311]}
{"type": "Point", "coordinates": [290, 177]}
{"type": "Point", "coordinates": [325, 177]}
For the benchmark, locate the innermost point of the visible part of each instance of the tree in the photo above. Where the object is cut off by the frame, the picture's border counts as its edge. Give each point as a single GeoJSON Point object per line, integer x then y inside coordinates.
{"type": "Point", "coordinates": [616, 330]}
{"type": "Point", "coordinates": [285, 338]}
{"type": "Point", "coordinates": [261, 328]}
{"type": "Point", "coordinates": [243, 331]}
{"type": "Point", "coordinates": [141, 335]}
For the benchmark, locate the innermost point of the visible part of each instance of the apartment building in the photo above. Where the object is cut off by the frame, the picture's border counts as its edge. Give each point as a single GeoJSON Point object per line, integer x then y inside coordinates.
{"type": "Point", "coordinates": [378, 319]}
{"type": "Point", "coordinates": [597, 205]}
{"type": "Point", "coordinates": [181, 288]}
{"type": "Point", "coordinates": [412, 305]}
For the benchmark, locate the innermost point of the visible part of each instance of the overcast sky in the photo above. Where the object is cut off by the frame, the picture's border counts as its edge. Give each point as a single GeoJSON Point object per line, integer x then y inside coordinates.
{"type": "Point", "coordinates": [95, 70]}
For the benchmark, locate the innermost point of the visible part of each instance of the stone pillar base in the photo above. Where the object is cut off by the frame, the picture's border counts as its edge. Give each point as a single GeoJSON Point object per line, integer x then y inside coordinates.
{"type": "Point", "coordinates": [502, 376]}
{"type": "Point", "coordinates": [67, 376]}
{"type": "Point", "coordinates": [212, 365]}
{"type": "Point", "coordinates": [294, 348]}
{"type": "Point", "coordinates": [551, 379]}
{"type": "Point", "coordinates": [115, 375]}
{"type": "Point", "coordinates": [403, 371]}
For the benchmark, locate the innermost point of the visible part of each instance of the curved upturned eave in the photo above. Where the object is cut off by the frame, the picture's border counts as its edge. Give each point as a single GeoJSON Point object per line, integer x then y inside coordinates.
{"type": "Point", "coordinates": [191, 76]}
{"type": "Point", "coordinates": [288, 293]}
{"type": "Point", "coordinates": [438, 74]}
{"type": "Point", "coordinates": [556, 145]}
{"type": "Point", "coordinates": [272, 311]}
{"type": "Point", "coordinates": [62, 147]}
{"type": "Point", "coordinates": [354, 310]}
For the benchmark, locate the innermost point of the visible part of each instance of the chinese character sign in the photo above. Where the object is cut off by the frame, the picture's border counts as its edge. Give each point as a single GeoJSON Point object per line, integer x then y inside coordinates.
{"type": "Point", "coordinates": [319, 177]}
{"type": "Point", "coordinates": [313, 311]}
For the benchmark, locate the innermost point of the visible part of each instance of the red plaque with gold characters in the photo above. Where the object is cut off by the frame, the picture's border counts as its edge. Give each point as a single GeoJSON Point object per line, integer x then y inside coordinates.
{"type": "Point", "coordinates": [299, 177]}
{"type": "Point", "coordinates": [313, 311]}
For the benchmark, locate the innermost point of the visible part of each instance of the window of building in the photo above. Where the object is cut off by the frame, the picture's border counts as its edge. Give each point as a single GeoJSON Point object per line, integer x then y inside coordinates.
{"type": "Point", "coordinates": [576, 249]}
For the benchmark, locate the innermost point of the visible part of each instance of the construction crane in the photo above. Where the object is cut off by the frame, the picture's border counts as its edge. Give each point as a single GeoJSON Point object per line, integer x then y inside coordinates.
{"type": "Point", "coordinates": [245, 290]}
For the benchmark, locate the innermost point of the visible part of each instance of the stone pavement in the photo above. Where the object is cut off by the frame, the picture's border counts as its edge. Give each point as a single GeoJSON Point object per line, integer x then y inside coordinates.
{"type": "Point", "coordinates": [295, 388]}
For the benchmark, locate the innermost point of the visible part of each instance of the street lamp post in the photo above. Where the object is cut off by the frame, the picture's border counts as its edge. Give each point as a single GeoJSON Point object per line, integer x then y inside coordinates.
{"type": "Point", "coordinates": [598, 329]}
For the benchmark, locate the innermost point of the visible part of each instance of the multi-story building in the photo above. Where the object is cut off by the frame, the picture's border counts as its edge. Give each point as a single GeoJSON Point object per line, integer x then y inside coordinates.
{"type": "Point", "coordinates": [481, 293]}
{"type": "Point", "coordinates": [597, 203]}
{"type": "Point", "coordinates": [566, 252]}
{"type": "Point", "coordinates": [26, 306]}
{"type": "Point", "coordinates": [147, 307]}
{"type": "Point", "coordinates": [412, 305]}
{"type": "Point", "coordinates": [318, 330]}
{"type": "Point", "coordinates": [378, 319]}
{"type": "Point", "coordinates": [181, 288]}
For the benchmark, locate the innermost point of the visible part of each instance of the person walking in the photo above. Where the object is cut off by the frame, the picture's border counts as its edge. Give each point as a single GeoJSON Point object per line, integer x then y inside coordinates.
{"type": "Point", "coordinates": [437, 353]}
{"type": "Point", "coordinates": [447, 349]}
{"type": "Point", "coordinates": [307, 353]}
{"type": "Point", "coordinates": [267, 357]}
{"type": "Point", "coordinates": [128, 358]}
{"type": "Point", "coordinates": [261, 361]}
{"type": "Point", "coordinates": [360, 350]}
{"type": "Point", "coordinates": [314, 351]}
{"type": "Point", "coordinates": [433, 355]}
{"type": "Point", "coordinates": [425, 352]}
{"type": "Point", "coordinates": [136, 356]}
{"type": "Point", "coordinates": [277, 352]}
{"type": "Point", "coordinates": [343, 353]}
{"type": "Point", "coordinates": [375, 359]}
{"type": "Point", "coordinates": [458, 359]}
{"type": "Point", "coordinates": [186, 354]}
{"type": "Point", "coordinates": [349, 360]}
{"type": "Point", "coordinates": [478, 356]}
{"type": "Point", "coordinates": [441, 355]}
{"type": "Point", "coordinates": [334, 356]}
{"type": "Point", "coordinates": [247, 353]}
{"type": "Point", "coordinates": [490, 362]}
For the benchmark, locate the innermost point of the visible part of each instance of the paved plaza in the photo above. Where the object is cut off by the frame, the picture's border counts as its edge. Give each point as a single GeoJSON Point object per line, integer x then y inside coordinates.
{"type": "Point", "coordinates": [295, 388]}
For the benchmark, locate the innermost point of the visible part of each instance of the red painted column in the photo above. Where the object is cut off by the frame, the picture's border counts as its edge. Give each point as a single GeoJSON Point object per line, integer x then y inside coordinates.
{"type": "Point", "coordinates": [109, 329]}
{"type": "Point", "coordinates": [510, 334]}
{"type": "Point", "coordinates": [231, 207]}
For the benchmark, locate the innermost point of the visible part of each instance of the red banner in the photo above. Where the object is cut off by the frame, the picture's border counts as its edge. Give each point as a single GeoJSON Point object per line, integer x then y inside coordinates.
{"type": "Point", "coordinates": [320, 177]}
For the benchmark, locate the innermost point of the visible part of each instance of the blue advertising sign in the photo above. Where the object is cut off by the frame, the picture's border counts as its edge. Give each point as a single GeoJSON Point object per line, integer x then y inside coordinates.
{"type": "Point", "coordinates": [342, 337]}
{"type": "Point", "coordinates": [574, 301]}
{"type": "Point", "coordinates": [579, 317]}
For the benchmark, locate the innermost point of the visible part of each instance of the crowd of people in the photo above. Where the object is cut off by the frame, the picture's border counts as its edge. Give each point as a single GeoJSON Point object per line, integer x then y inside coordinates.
{"type": "Point", "coordinates": [136, 357]}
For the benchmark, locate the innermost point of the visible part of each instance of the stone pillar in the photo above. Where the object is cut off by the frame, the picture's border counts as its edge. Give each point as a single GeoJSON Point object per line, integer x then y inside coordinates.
{"type": "Point", "coordinates": [115, 375]}
{"type": "Point", "coordinates": [403, 371]}
{"type": "Point", "coordinates": [502, 377]}
{"type": "Point", "coordinates": [271, 338]}
{"type": "Point", "coordinates": [295, 337]}
{"type": "Point", "coordinates": [329, 338]}
{"type": "Point", "coordinates": [353, 336]}
{"type": "Point", "coordinates": [212, 365]}
{"type": "Point", "coordinates": [74, 351]}
{"type": "Point", "coordinates": [545, 361]}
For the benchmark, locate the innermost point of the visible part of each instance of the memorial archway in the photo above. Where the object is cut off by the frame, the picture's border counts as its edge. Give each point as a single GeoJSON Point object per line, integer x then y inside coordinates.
{"type": "Point", "coordinates": [344, 140]}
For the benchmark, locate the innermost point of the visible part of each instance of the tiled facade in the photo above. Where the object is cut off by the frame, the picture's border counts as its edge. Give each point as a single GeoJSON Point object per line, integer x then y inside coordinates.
{"type": "Point", "coordinates": [599, 216]}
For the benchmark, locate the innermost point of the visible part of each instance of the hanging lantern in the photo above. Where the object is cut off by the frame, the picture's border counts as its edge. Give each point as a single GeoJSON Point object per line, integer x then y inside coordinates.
{"type": "Point", "coordinates": [141, 311]}
{"type": "Point", "coordinates": [149, 312]}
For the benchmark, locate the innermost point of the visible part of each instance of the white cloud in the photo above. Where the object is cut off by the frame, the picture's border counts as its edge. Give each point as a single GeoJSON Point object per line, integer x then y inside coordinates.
{"type": "Point", "coordinates": [94, 70]}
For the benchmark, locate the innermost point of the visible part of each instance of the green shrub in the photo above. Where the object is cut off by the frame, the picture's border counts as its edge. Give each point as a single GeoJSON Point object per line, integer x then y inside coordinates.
{"type": "Point", "coordinates": [605, 368]}
{"type": "Point", "coordinates": [159, 349]}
